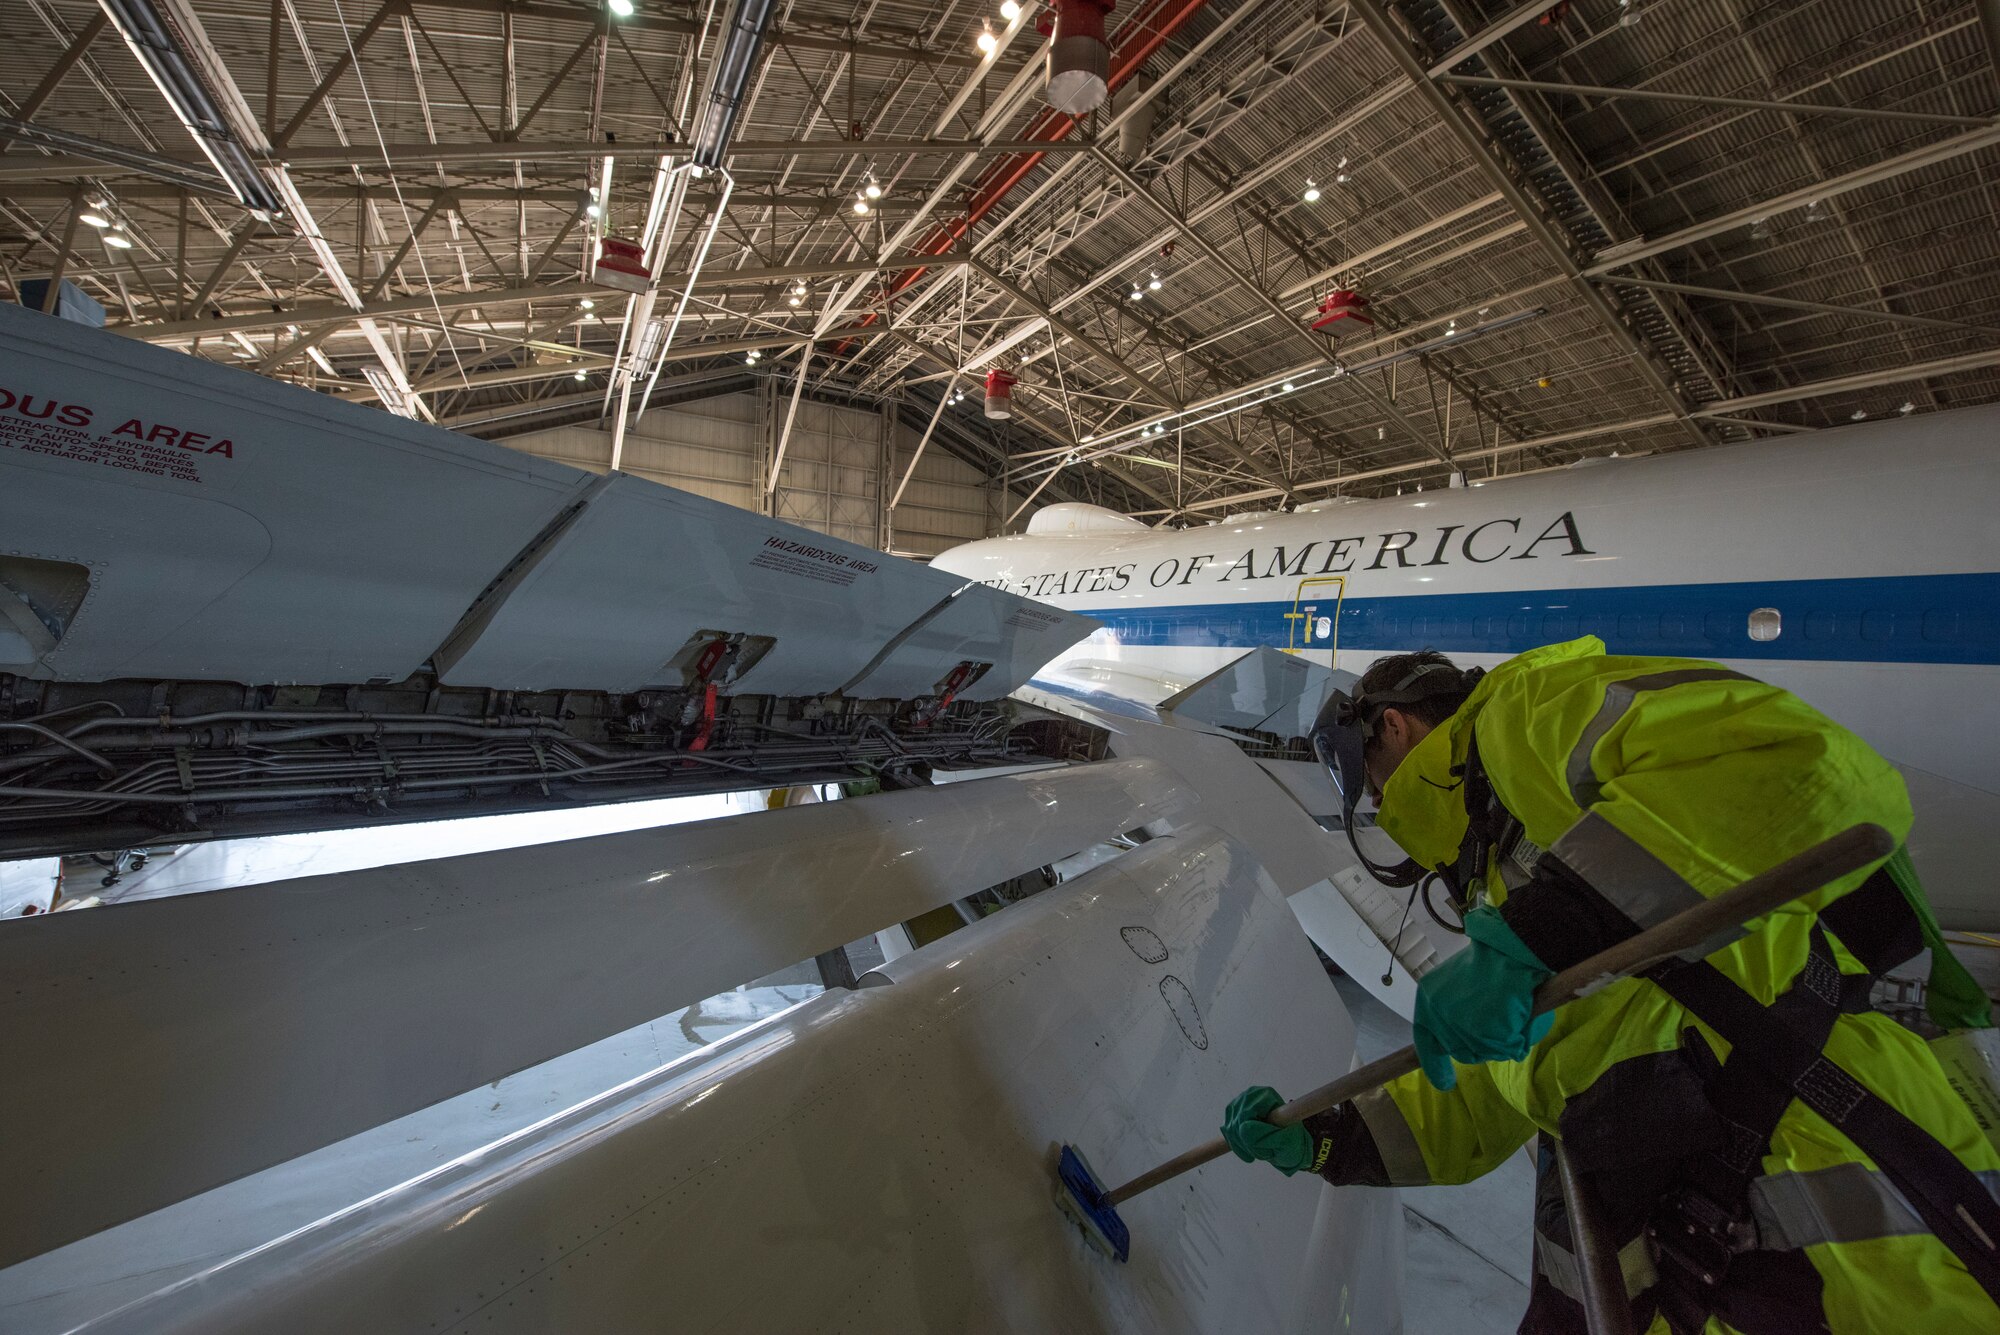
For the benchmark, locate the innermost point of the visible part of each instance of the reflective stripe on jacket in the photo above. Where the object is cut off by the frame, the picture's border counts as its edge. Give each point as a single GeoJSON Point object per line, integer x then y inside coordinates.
{"type": "Point", "coordinates": [1660, 782]}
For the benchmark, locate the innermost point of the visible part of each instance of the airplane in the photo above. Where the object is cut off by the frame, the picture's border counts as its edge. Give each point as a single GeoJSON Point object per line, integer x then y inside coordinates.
{"type": "Point", "coordinates": [346, 620]}
{"type": "Point", "coordinates": [1858, 567]}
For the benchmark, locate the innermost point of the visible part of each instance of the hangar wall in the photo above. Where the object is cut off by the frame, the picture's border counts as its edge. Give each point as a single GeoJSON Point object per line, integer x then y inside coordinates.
{"type": "Point", "coordinates": [841, 466]}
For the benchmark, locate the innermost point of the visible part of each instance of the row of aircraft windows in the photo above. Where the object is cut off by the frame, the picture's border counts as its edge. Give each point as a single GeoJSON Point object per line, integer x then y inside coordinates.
{"type": "Point", "coordinates": [1368, 625]}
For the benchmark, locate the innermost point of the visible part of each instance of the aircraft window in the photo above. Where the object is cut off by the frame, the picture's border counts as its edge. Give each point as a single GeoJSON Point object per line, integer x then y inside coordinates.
{"type": "Point", "coordinates": [1821, 625]}
{"type": "Point", "coordinates": [1878, 625]}
{"type": "Point", "coordinates": [1717, 625]}
{"type": "Point", "coordinates": [1638, 626]}
{"type": "Point", "coordinates": [1766, 624]}
{"type": "Point", "coordinates": [1941, 627]}
{"type": "Point", "coordinates": [1323, 628]}
{"type": "Point", "coordinates": [38, 600]}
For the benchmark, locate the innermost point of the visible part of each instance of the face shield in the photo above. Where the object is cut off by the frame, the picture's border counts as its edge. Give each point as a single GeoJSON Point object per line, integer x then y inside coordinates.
{"type": "Point", "coordinates": [1341, 735]}
{"type": "Point", "coordinates": [1340, 739]}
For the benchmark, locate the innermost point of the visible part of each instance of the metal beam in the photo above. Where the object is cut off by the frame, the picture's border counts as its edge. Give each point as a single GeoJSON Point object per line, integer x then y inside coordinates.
{"type": "Point", "coordinates": [1159, 395]}
{"type": "Point", "coordinates": [421, 155]}
{"type": "Point", "coordinates": [53, 293]}
{"type": "Point", "coordinates": [1793, 303]}
{"type": "Point", "coordinates": [1393, 244]}
{"type": "Point", "coordinates": [944, 398]}
{"type": "Point", "coordinates": [1707, 100]}
{"type": "Point", "coordinates": [1894, 375]}
{"type": "Point", "coordinates": [1989, 28]}
{"type": "Point", "coordinates": [339, 313]}
{"type": "Point", "coordinates": [1930, 155]}
{"type": "Point", "coordinates": [388, 274]}
{"type": "Point", "coordinates": [1488, 35]}
{"type": "Point", "coordinates": [555, 82]}
{"type": "Point", "coordinates": [686, 352]}
{"type": "Point", "coordinates": [95, 155]}
{"type": "Point", "coordinates": [351, 50]}
{"type": "Point", "coordinates": [242, 238]}
{"type": "Point", "coordinates": [64, 64]}
{"type": "Point", "coordinates": [1287, 321]}
{"type": "Point", "coordinates": [888, 44]}
{"type": "Point", "coordinates": [1476, 143]}
{"type": "Point", "coordinates": [1463, 457]}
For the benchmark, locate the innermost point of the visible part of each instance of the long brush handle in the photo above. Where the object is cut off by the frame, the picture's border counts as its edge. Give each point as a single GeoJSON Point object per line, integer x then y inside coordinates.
{"type": "Point", "coordinates": [1822, 864]}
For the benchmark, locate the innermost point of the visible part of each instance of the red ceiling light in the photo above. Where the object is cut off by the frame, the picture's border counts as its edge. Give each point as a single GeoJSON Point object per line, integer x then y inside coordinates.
{"type": "Point", "coordinates": [1000, 394]}
{"type": "Point", "coordinates": [621, 264]}
{"type": "Point", "coordinates": [1341, 304]}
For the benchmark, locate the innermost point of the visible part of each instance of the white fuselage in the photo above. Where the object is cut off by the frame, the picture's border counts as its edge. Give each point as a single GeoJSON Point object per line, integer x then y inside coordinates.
{"type": "Point", "coordinates": [1872, 552]}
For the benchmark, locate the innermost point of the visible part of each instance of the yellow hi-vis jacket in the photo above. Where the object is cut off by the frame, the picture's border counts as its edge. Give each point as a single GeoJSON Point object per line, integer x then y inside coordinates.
{"type": "Point", "coordinates": [1661, 781]}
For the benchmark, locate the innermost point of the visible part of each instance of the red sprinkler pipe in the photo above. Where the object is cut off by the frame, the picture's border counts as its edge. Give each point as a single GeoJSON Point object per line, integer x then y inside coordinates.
{"type": "Point", "coordinates": [1139, 39]}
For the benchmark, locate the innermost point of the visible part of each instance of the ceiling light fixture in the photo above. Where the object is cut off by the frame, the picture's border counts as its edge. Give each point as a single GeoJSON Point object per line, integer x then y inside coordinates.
{"type": "Point", "coordinates": [873, 189]}
{"type": "Point", "coordinates": [118, 240]}
{"type": "Point", "coordinates": [1289, 387]}
{"type": "Point", "coordinates": [1153, 283]}
{"type": "Point", "coordinates": [578, 374]}
{"type": "Point", "coordinates": [1137, 294]}
{"type": "Point", "coordinates": [1340, 172]}
{"type": "Point", "coordinates": [588, 303]}
{"type": "Point", "coordinates": [729, 80]}
{"type": "Point", "coordinates": [1009, 10]}
{"type": "Point", "coordinates": [1860, 415]}
{"type": "Point", "coordinates": [94, 219]}
{"type": "Point", "coordinates": [1907, 408]}
{"type": "Point", "coordinates": [622, 8]}
{"type": "Point", "coordinates": [1816, 212]}
{"type": "Point", "coordinates": [1760, 229]}
{"type": "Point", "coordinates": [861, 205]}
{"type": "Point", "coordinates": [151, 39]}
{"type": "Point", "coordinates": [987, 42]}
{"type": "Point", "coordinates": [1311, 195]}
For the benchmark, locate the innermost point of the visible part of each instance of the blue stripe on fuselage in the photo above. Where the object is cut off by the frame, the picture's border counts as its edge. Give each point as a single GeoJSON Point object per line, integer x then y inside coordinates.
{"type": "Point", "coordinates": [1892, 619]}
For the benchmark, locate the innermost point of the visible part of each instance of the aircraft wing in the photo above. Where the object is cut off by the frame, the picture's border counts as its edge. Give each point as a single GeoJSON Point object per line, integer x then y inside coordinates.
{"type": "Point", "coordinates": [882, 1159]}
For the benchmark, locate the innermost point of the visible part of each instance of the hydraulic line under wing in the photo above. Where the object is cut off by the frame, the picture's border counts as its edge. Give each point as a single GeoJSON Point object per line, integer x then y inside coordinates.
{"type": "Point", "coordinates": [233, 606]}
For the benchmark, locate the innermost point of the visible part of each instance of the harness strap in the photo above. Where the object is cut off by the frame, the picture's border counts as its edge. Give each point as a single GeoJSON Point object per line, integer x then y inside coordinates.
{"type": "Point", "coordinates": [1945, 1194]}
{"type": "Point", "coordinates": [1876, 923]}
{"type": "Point", "coordinates": [1749, 1100]}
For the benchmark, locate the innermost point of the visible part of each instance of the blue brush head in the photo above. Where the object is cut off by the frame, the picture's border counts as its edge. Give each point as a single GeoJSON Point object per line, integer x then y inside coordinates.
{"type": "Point", "coordinates": [1081, 1197]}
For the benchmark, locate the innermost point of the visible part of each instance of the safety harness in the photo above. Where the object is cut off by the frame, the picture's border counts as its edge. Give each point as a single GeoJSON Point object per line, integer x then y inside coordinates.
{"type": "Point", "coordinates": [1776, 1055]}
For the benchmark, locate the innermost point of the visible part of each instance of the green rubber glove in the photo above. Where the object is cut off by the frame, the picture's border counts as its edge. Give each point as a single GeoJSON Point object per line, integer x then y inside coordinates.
{"type": "Point", "coordinates": [1285, 1148]}
{"type": "Point", "coordinates": [1478, 1006]}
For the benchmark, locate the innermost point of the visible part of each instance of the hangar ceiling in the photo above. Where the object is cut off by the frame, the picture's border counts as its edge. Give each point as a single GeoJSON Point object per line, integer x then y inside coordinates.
{"type": "Point", "coordinates": [1604, 225]}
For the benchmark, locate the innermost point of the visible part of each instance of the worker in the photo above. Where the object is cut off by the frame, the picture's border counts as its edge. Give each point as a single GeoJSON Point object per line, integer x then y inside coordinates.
{"type": "Point", "coordinates": [1769, 1154]}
